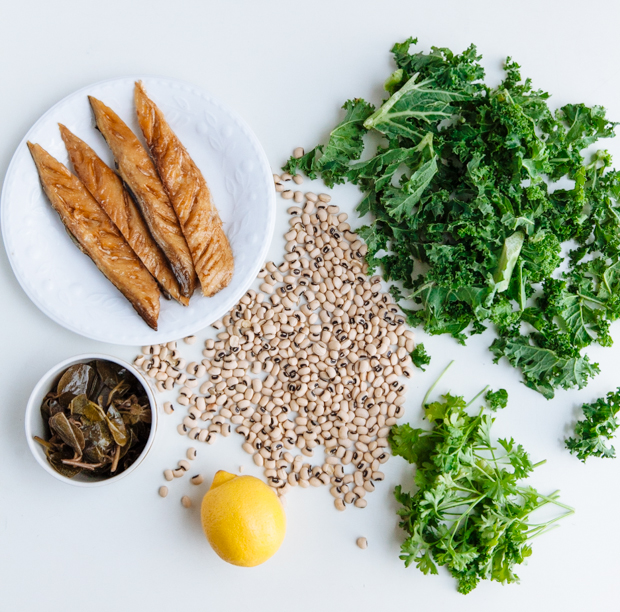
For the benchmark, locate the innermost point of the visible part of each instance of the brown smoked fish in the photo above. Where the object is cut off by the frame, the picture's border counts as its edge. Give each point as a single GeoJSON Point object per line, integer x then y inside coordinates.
{"type": "Point", "coordinates": [190, 196]}
{"type": "Point", "coordinates": [140, 176]}
{"type": "Point", "coordinates": [96, 235]}
{"type": "Point", "coordinates": [107, 188]}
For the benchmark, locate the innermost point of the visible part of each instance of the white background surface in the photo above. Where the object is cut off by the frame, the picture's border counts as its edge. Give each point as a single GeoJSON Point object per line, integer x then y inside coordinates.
{"type": "Point", "coordinates": [286, 67]}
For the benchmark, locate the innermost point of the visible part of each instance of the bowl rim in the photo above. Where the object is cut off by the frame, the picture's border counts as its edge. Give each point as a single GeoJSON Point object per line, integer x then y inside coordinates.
{"type": "Point", "coordinates": [46, 380]}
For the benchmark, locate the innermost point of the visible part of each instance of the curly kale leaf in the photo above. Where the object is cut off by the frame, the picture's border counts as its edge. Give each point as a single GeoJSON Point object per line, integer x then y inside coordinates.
{"type": "Point", "coordinates": [593, 433]}
{"type": "Point", "coordinates": [345, 145]}
{"type": "Point", "coordinates": [416, 103]}
{"type": "Point", "coordinates": [497, 399]}
{"type": "Point", "coordinates": [468, 219]}
{"type": "Point", "coordinates": [542, 368]}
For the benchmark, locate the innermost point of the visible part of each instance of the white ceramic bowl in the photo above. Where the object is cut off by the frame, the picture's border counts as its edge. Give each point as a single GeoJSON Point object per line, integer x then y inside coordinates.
{"type": "Point", "coordinates": [35, 425]}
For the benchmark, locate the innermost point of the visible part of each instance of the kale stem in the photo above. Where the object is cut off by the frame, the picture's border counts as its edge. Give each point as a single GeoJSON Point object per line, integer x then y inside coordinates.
{"type": "Point", "coordinates": [430, 390]}
{"type": "Point", "coordinates": [591, 299]}
{"type": "Point", "coordinates": [420, 289]}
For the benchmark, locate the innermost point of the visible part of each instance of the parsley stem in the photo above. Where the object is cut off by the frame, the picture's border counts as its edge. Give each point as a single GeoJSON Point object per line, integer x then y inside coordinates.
{"type": "Point", "coordinates": [476, 397]}
{"type": "Point", "coordinates": [465, 515]}
{"type": "Point", "coordinates": [541, 531]}
{"type": "Point", "coordinates": [466, 490]}
{"type": "Point", "coordinates": [430, 390]}
{"type": "Point", "coordinates": [551, 499]}
{"type": "Point", "coordinates": [462, 502]}
{"type": "Point", "coordinates": [541, 528]}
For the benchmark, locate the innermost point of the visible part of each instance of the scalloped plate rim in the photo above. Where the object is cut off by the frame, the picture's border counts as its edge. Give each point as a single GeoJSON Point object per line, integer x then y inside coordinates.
{"type": "Point", "coordinates": [183, 330]}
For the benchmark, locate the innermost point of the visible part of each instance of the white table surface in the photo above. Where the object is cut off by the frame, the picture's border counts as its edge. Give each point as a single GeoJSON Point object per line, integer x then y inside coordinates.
{"type": "Point", "coordinates": [286, 67]}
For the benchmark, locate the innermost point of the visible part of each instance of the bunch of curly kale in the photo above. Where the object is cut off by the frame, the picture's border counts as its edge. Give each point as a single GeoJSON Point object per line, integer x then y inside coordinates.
{"type": "Point", "coordinates": [468, 217]}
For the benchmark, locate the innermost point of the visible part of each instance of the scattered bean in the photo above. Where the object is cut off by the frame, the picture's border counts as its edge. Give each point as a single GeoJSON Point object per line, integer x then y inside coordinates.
{"type": "Point", "coordinates": [311, 360]}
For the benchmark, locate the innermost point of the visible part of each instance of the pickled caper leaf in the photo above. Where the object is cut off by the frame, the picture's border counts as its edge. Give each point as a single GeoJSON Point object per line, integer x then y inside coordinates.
{"type": "Point", "coordinates": [69, 471]}
{"type": "Point", "coordinates": [99, 420]}
{"type": "Point", "coordinates": [116, 425]}
{"type": "Point", "coordinates": [77, 432]}
{"type": "Point", "coordinates": [93, 412]}
{"type": "Point", "coordinates": [98, 435]}
{"type": "Point", "coordinates": [60, 425]}
{"type": "Point", "coordinates": [111, 373]}
{"type": "Point", "coordinates": [80, 404]}
{"type": "Point", "coordinates": [94, 454]}
{"type": "Point", "coordinates": [77, 379]}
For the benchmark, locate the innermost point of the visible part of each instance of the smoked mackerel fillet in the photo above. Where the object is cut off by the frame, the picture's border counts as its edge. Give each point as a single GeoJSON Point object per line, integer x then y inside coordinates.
{"type": "Point", "coordinates": [140, 176]}
{"type": "Point", "coordinates": [190, 196]}
{"type": "Point", "coordinates": [96, 235]}
{"type": "Point", "coordinates": [107, 188]}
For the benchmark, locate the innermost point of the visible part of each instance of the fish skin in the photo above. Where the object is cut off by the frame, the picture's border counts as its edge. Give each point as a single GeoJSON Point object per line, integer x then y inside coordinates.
{"type": "Point", "coordinates": [96, 235]}
{"type": "Point", "coordinates": [140, 176]}
{"type": "Point", "coordinates": [107, 188]}
{"type": "Point", "coordinates": [190, 196]}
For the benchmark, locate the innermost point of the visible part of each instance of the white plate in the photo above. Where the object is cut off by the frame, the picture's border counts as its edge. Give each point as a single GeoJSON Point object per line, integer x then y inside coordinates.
{"type": "Point", "coordinates": [65, 284]}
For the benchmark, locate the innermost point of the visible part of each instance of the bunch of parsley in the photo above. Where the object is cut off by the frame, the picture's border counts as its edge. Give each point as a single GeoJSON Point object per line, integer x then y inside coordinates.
{"type": "Point", "coordinates": [470, 512]}
{"type": "Point", "coordinates": [469, 219]}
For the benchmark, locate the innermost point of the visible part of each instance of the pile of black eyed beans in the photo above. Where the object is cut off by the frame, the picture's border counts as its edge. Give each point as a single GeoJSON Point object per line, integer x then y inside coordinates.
{"type": "Point", "coordinates": [315, 359]}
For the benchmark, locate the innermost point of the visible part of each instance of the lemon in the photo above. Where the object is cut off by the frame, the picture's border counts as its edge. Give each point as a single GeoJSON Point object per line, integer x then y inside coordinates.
{"type": "Point", "coordinates": [243, 519]}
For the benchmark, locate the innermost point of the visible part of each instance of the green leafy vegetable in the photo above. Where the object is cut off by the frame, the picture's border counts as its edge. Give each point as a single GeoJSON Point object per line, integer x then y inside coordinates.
{"type": "Point", "coordinates": [345, 144]}
{"type": "Point", "coordinates": [467, 216]}
{"type": "Point", "coordinates": [416, 101]}
{"type": "Point", "coordinates": [507, 260]}
{"type": "Point", "coordinates": [470, 512]}
{"type": "Point", "coordinates": [593, 433]}
{"type": "Point", "coordinates": [497, 399]}
{"type": "Point", "coordinates": [420, 357]}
